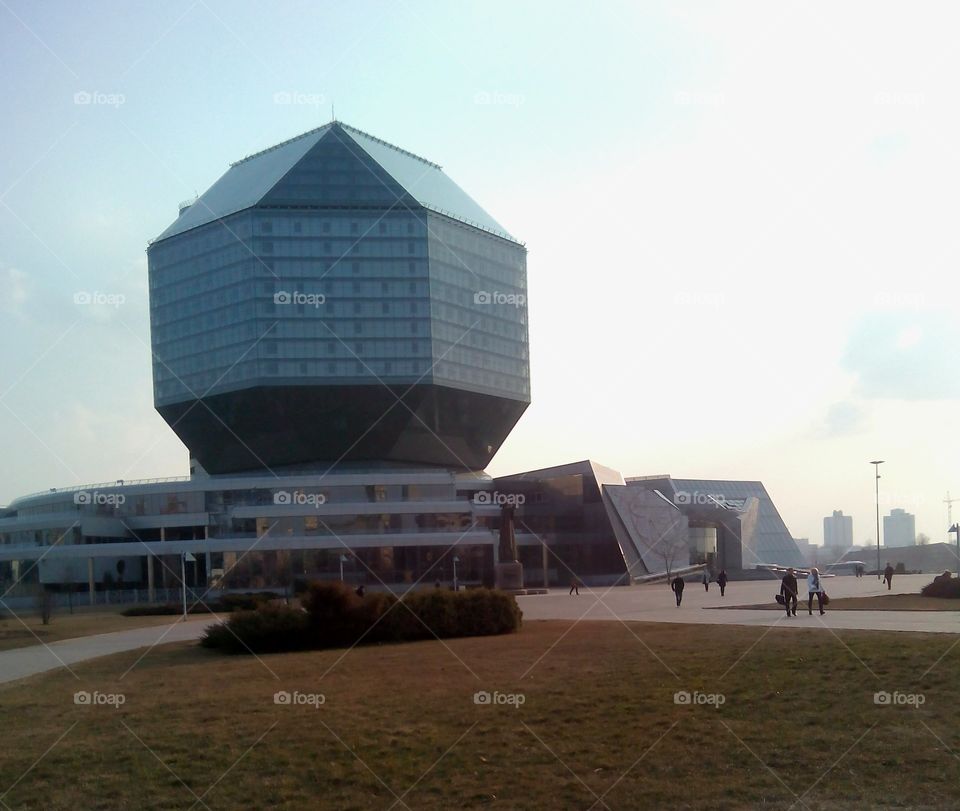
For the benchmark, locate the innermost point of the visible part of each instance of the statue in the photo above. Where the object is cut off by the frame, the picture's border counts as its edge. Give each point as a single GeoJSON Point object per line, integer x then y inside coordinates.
{"type": "Point", "coordinates": [508, 541]}
{"type": "Point", "coordinates": [509, 570]}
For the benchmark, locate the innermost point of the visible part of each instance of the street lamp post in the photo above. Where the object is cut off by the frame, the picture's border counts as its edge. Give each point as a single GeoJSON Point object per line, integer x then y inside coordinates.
{"type": "Point", "coordinates": [343, 559]}
{"type": "Point", "coordinates": [456, 560]}
{"type": "Point", "coordinates": [876, 468]}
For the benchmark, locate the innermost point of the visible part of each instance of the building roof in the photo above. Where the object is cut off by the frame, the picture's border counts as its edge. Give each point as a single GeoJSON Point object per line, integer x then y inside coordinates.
{"type": "Point", "coordinates": [248, 181]}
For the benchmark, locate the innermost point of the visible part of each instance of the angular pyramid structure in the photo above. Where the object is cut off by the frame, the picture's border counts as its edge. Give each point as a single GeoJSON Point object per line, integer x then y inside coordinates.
{"type": "Point", "coordinates": [338, 299]}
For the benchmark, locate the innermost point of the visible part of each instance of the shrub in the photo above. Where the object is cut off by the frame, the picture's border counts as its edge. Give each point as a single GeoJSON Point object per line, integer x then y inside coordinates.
{"type": "Point", "coordinates": [269, 629]}
{"type": "Point", "coordinates": [244, 602]}
{"type": "Point", "coordinates": [153, 610]}
{"type": "Point", "coordinates": [942, 586]}
{"type": "Point", "coordinates": [334, 616]}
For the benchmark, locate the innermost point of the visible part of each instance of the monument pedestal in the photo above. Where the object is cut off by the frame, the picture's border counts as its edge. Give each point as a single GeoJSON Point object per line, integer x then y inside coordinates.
{"type": "Point", "coordinates": [509, 575]}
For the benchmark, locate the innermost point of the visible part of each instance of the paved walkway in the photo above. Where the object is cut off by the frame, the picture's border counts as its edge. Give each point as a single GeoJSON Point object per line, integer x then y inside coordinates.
{"type": "Point", "coordinates": [650, 603]}
{"type": "Point", "coordinates": [21, 662]}
{"type": "Point", "coordinates": [655, 603]}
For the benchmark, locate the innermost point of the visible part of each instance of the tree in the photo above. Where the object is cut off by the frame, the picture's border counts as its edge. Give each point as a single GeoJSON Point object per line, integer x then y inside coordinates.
{"type": "Point", "coordinates": [45, 604]}
{"type": "Point", "coordinates": [669, 550]}
{"type": "Point", "coordinates": [70, 583]}
{"type": "Point", "coordinates": [923, 539]}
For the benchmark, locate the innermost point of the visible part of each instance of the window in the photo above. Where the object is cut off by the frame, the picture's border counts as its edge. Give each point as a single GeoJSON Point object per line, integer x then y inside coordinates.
{"type": "Point", "coordinates": [267, 246]}
{"type": "Point", "coordinates": [383, 228]}
{"type": "Point", "coordinates": [325, 228]}
{"type": "Point", "coordinates": [357, 327]}
{"type": "Point", "coordinates": [385, 308]}
{"type": "Point", "coordinates": [411, 248]}
{"type": "Point", "coordinates": [266, 227]}
{"type": "Point", "coordinates": [297, 227]}
{"type": "Point", "coordinates": [355, 267]}
{"type": "Point", "coordinates": [356, 308]}
{"type": "Point", "coordinates": [354, 228]}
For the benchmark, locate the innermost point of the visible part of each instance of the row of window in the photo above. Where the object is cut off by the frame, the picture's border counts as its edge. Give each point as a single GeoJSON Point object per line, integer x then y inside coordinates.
{"type": "Point", "coordinates": [332, 372]}
{"type": "Point", "coordinates": [385, 225]}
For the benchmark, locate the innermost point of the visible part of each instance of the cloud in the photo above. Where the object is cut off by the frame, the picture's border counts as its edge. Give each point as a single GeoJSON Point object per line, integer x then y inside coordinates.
{"type": "Point", "coordinates": [842, 419]}
{"type": "Point", "coordinates": [905, 355]}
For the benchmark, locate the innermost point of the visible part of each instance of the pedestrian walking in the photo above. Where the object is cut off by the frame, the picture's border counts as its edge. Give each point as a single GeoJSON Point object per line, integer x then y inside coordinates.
{"type": "Point", "coordinates": [888, 576]}
{"type": "Point", "coordinates": [575, 586]}
{"type": "Point", "coordinates": [706, 580]}
{"type": "Point", "coordinates": [722, 581]}
{"type": "Point", "coordinates": [677, 586]}
{"type": "Point", "coordinates": [814, 587]}
{"type": "Point", "coordinates": [788, 589]}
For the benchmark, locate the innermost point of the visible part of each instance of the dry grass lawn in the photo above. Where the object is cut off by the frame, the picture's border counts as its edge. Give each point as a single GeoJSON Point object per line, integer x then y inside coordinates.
{"type": "Point", "coordinates": [598, 726]}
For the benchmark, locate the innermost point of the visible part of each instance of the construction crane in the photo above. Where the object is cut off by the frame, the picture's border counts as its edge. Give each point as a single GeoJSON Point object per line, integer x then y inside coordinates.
{"type": "Point", "coordinates": [949, 502]}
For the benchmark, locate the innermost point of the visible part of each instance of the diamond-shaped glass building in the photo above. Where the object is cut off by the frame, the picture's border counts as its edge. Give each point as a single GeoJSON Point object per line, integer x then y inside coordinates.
{"type": "Point", "coordinates": [337, 299]}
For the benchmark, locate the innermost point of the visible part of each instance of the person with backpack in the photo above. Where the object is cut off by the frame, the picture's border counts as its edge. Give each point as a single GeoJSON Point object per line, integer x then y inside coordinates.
{"type": "Point", "coordinates": [814, 586]}
{"type": "Point", "coordinates": [788, 589]}
{"type": "Point", "coordinates": [677, 586]}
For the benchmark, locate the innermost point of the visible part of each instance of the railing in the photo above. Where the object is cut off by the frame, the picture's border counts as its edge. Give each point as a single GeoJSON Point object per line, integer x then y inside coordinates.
{"type": "Point", "coordinates": [100, 485]}
{"type": "Point", "coordinates": [81, 599]}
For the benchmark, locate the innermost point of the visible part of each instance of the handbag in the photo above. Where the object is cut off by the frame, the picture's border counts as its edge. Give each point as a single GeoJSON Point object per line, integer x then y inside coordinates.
{"type": "Point", "coordinates": [779, 599]}
{"type": "Point", "coordinates": [823, 596]}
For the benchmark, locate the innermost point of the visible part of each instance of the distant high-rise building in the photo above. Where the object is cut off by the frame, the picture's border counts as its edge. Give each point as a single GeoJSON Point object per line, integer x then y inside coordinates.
{"type": "Point", "coordinates": [899, 528]}
{"type": "Point", "coordinates": [838, 530]}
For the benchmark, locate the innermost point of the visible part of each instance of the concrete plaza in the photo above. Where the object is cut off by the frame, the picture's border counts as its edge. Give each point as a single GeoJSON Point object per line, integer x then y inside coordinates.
{"type": "Point", "coordinates": [655, 603]}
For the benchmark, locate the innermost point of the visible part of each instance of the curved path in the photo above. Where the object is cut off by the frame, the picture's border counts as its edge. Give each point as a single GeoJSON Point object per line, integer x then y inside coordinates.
{"type": "Point", "coordinates": [21, 662]}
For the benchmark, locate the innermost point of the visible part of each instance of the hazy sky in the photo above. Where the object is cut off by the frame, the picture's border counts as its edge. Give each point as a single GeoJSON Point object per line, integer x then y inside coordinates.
{"type": "Point", "coordinates": [741, 220]}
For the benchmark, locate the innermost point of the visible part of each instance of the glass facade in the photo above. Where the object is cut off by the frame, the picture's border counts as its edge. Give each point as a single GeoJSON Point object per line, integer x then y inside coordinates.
{"type": "Point", "coordinates": [338, 277]}
{"type": "Point", "coordinates": [478, 307]}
